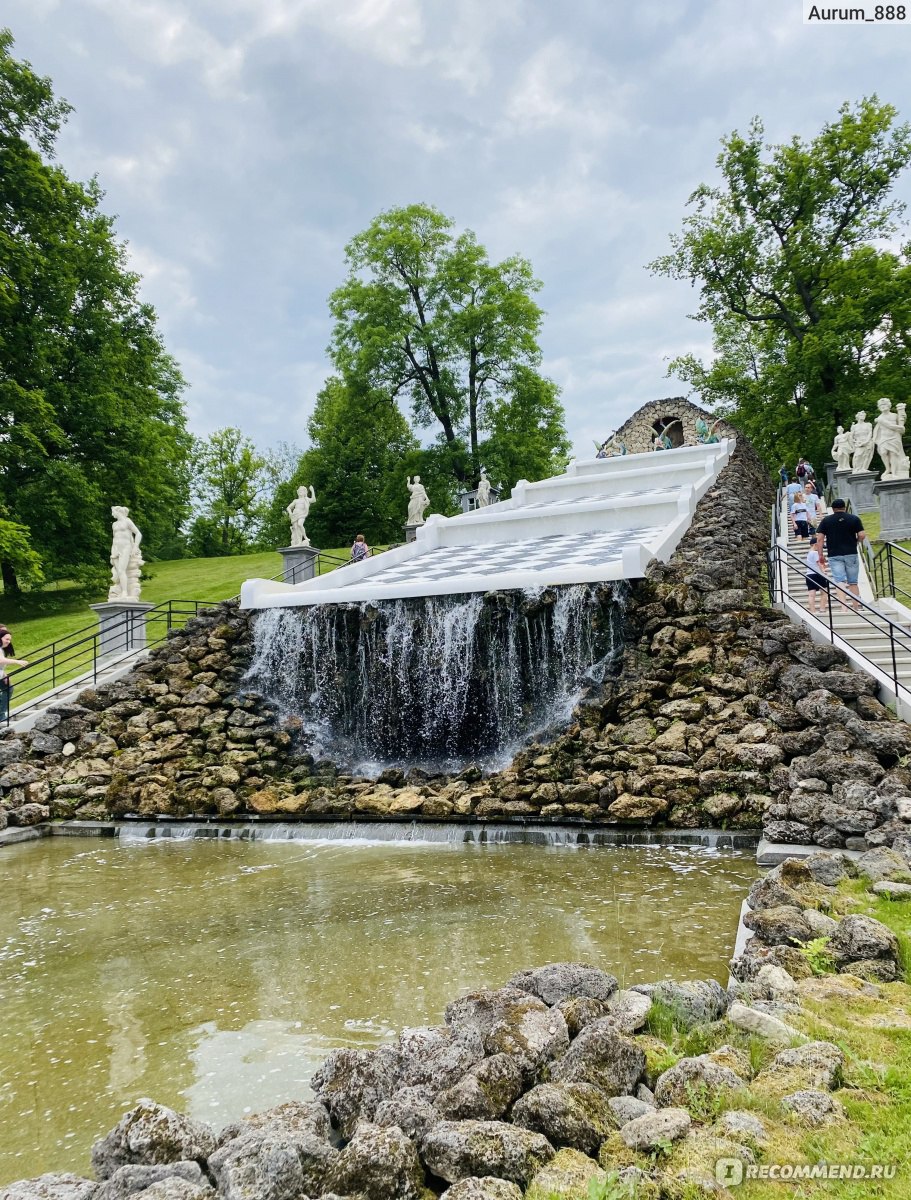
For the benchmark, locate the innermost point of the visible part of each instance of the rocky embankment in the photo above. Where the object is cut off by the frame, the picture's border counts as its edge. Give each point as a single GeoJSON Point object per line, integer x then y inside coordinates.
{"type": "Point", "coordinates": [562, 1078]}
{"type": "Point", "coordinates": [723, 714]}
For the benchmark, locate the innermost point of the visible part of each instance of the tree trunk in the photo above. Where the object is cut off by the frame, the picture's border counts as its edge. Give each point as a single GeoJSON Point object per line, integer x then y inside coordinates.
{"type": "Point", "coordinates": [10, 582]}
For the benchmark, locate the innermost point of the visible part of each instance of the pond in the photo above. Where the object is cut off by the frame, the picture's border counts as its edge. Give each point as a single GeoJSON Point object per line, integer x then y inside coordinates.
{"type": "Point", "coordinates": [216, 976]}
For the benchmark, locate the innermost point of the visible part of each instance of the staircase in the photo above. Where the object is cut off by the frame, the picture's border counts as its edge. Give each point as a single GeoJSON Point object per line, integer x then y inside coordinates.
{"type": "Point", "coordinates": [875, 640]}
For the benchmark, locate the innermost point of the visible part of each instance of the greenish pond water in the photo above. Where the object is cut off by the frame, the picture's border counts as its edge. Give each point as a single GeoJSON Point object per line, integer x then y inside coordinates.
{"type": "Point", "coordinates": [214, 977]}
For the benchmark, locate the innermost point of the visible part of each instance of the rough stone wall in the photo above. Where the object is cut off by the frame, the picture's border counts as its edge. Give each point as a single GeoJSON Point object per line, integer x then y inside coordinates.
{"type": "Point", "coordinates": [724, 714]}
{"type": "Point", "coordinates": [639, 431]}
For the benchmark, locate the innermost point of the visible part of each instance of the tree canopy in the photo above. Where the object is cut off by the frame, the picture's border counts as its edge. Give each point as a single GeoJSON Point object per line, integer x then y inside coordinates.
{"type": "Point", "coordinates": [425, 316]}
{"type": "Point", "coordinates": [90, 409]}
{"type": "Point", "coordinates": [802, 279]}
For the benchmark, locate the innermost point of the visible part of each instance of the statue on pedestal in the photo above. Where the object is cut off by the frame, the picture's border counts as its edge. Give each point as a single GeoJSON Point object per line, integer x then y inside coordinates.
{"type": "Point", "coordinates": [298, 511]}
{"type": "Point", "coordinates": [418, 502]}
{"type": "Point", "coordinates": [842, 448]}
{"type": "Point", "coordinates": [483, 492]}
{"type": "Point", "coordinates": [126, 558]}
{"type": "Point", "coordinates": [861, 442]}
{"type": "Point", "coordinates": [887, 435]}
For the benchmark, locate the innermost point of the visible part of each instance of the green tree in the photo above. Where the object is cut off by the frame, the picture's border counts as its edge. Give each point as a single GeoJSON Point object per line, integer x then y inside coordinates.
{"type": "Point", "coordinates": [811, 314]}
{"type": "Point", "coordinates": [362, 451]}
{"type": "Point", "coordinates": [230, 485]}
{"type": "Point", "coordinates": [90, 410]}
{"type": "Point", "coordinates": [527, 438]}
{"type": "Point", "coordinates": [424, 314]}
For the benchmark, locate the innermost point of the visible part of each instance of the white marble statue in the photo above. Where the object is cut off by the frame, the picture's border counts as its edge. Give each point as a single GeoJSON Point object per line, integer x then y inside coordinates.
{"type": "Point", "coordinates": [861, 443]}
{"type": "Point", "coordinates": [842, 448]}
{"type": "Point", "coordinates": [887, 433]}
{"type": "Point", "coordinates": [298, 511]}
{"type": "Point", "coordinates": [418, 502]}
{"type": "Point", "coordinates": [126, 558]}
{"type": "Point", "coordinates": [483, 490]}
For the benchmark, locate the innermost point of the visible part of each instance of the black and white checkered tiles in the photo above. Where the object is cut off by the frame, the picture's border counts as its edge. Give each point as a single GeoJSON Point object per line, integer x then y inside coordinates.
{"type": "Point", "coordinates": [530, 554]}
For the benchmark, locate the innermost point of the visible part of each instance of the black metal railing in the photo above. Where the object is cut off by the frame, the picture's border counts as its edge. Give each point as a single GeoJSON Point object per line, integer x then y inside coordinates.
{"type": "Point", "coordinates": [892, 571]}
{"type": "Point", "coordinates": [837, 597]}
{"type": "Point", "coordinates": [88, 651]}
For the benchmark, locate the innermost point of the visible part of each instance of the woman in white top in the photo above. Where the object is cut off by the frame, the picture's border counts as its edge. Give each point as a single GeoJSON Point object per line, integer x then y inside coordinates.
{"type": "Point", "coordinates": [815, 507]}
{"type": "Point", "coordinates": [7, 660]}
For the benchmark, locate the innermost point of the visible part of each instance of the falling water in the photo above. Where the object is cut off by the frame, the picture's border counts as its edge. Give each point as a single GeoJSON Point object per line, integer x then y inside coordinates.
{"type": "Point", "coordinates": [435, 681]}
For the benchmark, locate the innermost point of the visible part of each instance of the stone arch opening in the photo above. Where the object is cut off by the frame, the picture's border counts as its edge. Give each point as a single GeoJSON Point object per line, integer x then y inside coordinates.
{"type": "Point", "coordinates": [671, 425]}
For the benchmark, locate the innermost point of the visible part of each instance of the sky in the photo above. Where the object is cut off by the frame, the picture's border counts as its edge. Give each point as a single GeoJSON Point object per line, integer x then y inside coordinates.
{"type": "Point", "coordinates": [242, 143]}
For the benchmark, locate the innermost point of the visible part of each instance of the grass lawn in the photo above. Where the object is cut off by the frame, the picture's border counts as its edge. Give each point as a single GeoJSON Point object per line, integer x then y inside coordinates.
{"type": "Point", "coordinates": [38, 618]}
{"type": "Point", "coordinates": [901, 570]}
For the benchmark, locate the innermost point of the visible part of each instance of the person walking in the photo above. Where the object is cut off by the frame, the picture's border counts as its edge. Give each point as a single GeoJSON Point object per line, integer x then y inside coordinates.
{"type": "Point", "coordinates": [816, 580]}
{"type": "Point", "coordinates": [7, 659]}
{"type": "Point", "coordinates": [783, 475]}
{"type": "Point", "coordinates": [801, 516]}
{"type": "Point", "coordinates": [837, 540]}
{"type": "Point", "coordinates": [792, 490]}
{"type": "Point", "coordinates": [815, 507]}
{"type": "Point", "coordinates": [360, 550]}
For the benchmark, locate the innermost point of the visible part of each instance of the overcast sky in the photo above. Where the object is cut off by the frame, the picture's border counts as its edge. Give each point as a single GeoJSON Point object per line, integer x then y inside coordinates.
{"type": "Point", "coordinates": [243, 142]}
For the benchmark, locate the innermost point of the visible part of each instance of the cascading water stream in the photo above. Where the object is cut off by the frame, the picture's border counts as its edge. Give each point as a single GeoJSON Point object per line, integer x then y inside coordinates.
{"type": "Point", "coordinates": [438, 681]}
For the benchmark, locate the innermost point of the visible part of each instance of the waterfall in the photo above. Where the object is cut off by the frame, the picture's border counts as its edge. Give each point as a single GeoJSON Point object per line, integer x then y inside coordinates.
{"type": "Point", "coordinates": [437, 681]}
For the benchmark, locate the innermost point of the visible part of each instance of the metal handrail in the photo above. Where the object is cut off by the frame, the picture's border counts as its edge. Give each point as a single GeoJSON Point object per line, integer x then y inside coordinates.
{"type": "Point", "coordinates": [887, 557]}
{"type": "Point", "coordinates": [778, 560]}
{"type": "Point", "coordinates": [85, 653]}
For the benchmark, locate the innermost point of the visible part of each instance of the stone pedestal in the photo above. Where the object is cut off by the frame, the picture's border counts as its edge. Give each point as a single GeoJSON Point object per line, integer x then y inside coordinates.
{"type": "Point", "coordinates": [122, 626]}
{"type": "Point", "coordinates": [842, 486]}
{"type": "Point", "coordinates": [298, 563]}
{"type": "Point", "coordinates": [411, 532]}
{"type": "Point", "coordinates": [861, 485]}
{"type": "Point", "coordinates": [830, 469]}
{"type": "Point", "coordinates": [894, 496]}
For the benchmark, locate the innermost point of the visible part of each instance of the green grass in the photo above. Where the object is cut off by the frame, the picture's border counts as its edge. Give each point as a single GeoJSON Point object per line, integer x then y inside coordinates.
{"type": "Point", "coordinates": [902, 573]}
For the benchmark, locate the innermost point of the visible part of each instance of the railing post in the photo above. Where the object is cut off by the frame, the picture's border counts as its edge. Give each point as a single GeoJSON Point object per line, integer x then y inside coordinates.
{"type": "Point", "coordinates": [891, 570]}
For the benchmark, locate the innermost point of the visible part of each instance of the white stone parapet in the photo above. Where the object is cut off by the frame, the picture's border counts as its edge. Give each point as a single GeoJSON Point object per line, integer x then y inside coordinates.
{"type": "Point", "coordinates": [604, 519]}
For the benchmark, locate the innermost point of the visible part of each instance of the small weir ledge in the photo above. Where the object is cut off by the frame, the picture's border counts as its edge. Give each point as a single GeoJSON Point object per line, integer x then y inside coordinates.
{"type": "Point", "coordinates": [406, 830]}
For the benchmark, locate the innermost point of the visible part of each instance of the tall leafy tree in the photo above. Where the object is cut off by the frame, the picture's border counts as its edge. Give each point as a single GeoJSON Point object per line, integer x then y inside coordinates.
{"type": "Point", "coordinates": [425, 315]}
{"type": "Point", "coordinates": [809, 303]}
{"type": "Point", "coordinates": [362, 451]}
{"type": "Point", "coordinates": [230, 483]}
{"type": "Point", "coordinates": [90, 410]}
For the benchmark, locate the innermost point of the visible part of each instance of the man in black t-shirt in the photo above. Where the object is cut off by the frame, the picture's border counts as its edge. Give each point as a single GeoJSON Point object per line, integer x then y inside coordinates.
{"type": "Point", "coordinates": [841, 531]}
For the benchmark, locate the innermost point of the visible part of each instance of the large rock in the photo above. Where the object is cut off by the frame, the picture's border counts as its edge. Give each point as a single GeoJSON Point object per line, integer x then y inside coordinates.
{"type": "Point", "coordinates": [761, 1024]}
{"type": "Point", "coordinates": [64, 1186]}
{"type": "Point", "coordinates": [857, 938]}
{"type": "Point", "coordinates": [627, 1011]}
{"type": "Point", "coordinates": [412, 1109]}
{"type": "Point", "coordinates": [487, 1187]}
{"type": "Point", "coordinates": [353, 1083]}
{"type": "Point", "coordinates": [557, 981]}
{"type": "Point", "coordinates": [579, 1011]}
{"type": "Point", "coordinates": [378, 1164]}
{"type": "Point", "coordinates": [819, 1063]}
{"type": "Point", "coordinates": [812, 1107]}
{"type": "Point", "coordinates": [511, 1021]}
{"type": "Point", "coordinates": [436, 1056]}
{"type": "Point", "coordinates": [783, 925]}
{"type": "Point", "coordinates": [882, 863]}
{"type": "Point", "coordinates": [567, 1176]}
{"type": "Point", "coordinates": [828, 867]}
{"type": "Point", "coordinates": [653, 1129]}
{"type": "Point", "coordinates": [690, 1077]}
{"type": "Point", "coordinates": [173, 1187]}
{"type": "Point", "coordinates": [695, 1003]}
{"type": "Point", "coordinates": [457, 1149]}
{"type": "Point", "coordinates": [294, 1116]}
{"type": "Point", "coordinates": [272, 1166]}
{"type": "Point", "coordinates": [486, 1092]}
{"type": "Point", "coordinates": [602, 1057]}
{"type": "Point", "coordinates": [568, 1114]}
{"type": "Point", "coordinates": [150, 1134]}
{"type": "Point", "coordinates": [126, 1181]}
